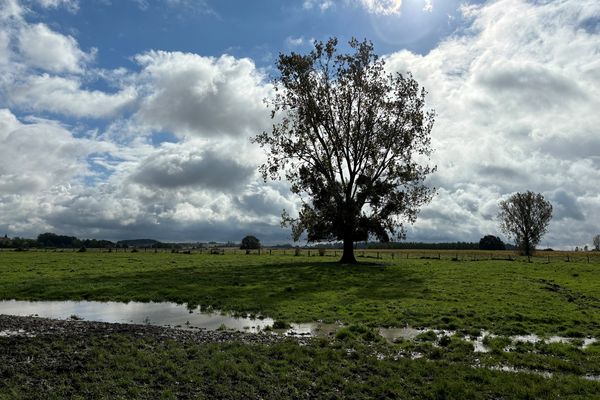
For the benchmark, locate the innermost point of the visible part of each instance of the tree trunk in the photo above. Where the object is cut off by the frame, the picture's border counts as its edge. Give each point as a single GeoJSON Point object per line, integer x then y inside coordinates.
{"type": "Point", "coordinates": [348, 256]}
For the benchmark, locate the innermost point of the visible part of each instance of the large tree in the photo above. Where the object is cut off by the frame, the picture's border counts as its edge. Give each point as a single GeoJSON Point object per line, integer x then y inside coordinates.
{"type": "Point", "coordinates": [525, 217]}
{"type": "Point", "coordinates": [353, 141]}
{"type": "Point", "coordinates": [597, 242]}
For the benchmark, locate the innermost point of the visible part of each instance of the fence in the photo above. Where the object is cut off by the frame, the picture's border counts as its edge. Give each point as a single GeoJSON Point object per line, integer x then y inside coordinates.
{"type": "Point", "coordinates": [381, 254]}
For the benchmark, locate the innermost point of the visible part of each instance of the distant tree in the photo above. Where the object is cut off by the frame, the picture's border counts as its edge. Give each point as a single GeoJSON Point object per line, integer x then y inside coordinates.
{"type": "Point", "coordinates": [597, 242]}
{"type": "Point", "coordinates": [250, 243]}
{"type": "Point", "coordinates": [525, 217]}
{"type": "Point", "coordinates": [352, 140]}
{"type": "Point", "coordinates": [49, 239]}
{"type": "Point", "coordinates": [490, 242]}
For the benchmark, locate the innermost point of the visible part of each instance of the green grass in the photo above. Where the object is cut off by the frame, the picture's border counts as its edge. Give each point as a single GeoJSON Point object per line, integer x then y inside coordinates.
{"type": "Point", "coordinates": [128, 366]}
{"type": "Point", "coordinates": [503, 297]}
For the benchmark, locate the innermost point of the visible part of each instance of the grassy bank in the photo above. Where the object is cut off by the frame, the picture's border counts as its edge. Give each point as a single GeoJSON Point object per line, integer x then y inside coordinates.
{"type": "Point", "coordinates": [503, 297]}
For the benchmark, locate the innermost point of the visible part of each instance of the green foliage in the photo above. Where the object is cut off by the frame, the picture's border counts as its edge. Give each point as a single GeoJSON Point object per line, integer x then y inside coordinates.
{"type": "Point", "coordinates": [525, 217]}
{"type": "Point", "coordinates": [250, 243]}
{"type": "Point", "coordinates": [279, 324]}
{"type": "Point", "coordinates": [490, 242]}
{"type": "Point", "coordinates": [348, 135]}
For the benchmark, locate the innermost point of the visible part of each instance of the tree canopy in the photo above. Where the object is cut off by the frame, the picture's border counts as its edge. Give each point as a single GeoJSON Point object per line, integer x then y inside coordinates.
{"type": "Point", "coordinates": [354, 142]}
{"type": "Point", "coordinates": [525, 217]}
{"type": "Point", "coordinates": [491, 242]}
{"type": "Point", "coordinates": [250, 243]}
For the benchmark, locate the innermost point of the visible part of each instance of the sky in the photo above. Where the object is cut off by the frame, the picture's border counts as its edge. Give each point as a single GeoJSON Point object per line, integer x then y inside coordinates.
{"type": "Point", "coordinates": [123, 119]}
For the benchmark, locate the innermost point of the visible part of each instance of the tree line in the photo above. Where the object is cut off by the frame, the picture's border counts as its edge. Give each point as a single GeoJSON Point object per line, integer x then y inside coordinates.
{"type": "Point", "coordinates": [53, 240]}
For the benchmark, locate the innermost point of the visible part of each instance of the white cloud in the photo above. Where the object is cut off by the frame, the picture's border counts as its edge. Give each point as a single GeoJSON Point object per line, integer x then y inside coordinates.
{"type": "Point", "coordinates": [71, 5]}
{"type": "Point", "coordinates": [322, 5]}
{"type": "Point", "coordinates": [65, 96]}
{"type": "Point", "coordinates": [10, 9]}
{"type": "Point", "coordinates": [294, 41]}
{"type": "Point", "coordinates": [177, 167]}
{"type": "Point", "coordinates": [516, 98]}
{"type": "Point", "coordinates": [516, 93]}
{"type": "Point", "coordinates": [190, 94]}
{"type": "Point", "coordinates": [39, 155]}
{"type": "Point", "coordinates": [428, 6]}
{"type": "Point", "coordinates": [382, 7]}
{"type": "Point", "coordinates": [51, 51]}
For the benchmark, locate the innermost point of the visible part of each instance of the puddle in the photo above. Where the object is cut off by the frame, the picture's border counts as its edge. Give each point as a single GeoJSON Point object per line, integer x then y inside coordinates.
{"type": "Point", "coordinates": [314, 329]}
{"type": "Point", "coordinates": [514, 370]}
{"type": "Point", "coordinates": [20, 332]}
{"type": "Point", "coordinates": [161, 314]}
{"type": "Point", "coordinates": [392, 334]}
{"type": "Point", "coordinates": [180, 316]}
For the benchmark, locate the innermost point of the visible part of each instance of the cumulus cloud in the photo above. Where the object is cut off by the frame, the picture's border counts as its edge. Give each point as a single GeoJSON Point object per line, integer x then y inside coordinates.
{"type": "Point", "coordinates": [515, 89]}
{"type": "Point", "coordinates": [516, 95]}
{"type": "Point", "coordinates": [51, 51]}
{"type": "Point", "coordinates": [65, 96]}
{"type": "Point", "coordinates": [177, 167]}
{"type": "Point", "coordinates": [193, 95]}
{"type": "Point", "coordinates": [39, 155]}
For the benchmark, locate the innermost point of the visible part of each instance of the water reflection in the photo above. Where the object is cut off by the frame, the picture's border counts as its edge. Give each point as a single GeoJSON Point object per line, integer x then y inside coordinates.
{"type": "Point", "coordinates": [161, 314]}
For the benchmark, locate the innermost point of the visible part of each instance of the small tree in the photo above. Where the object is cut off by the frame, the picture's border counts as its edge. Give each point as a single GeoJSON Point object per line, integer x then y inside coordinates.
{"type": "Point", "coordinates": [250, 243]}
{"type": "Point", "coordinates": [597, 242]}
{"type": "Point", "coordinates": [525, 217]}
{"type": "Point", "coordinates": [490, 242]}
{"type": "Point", "coordinates": [352, 140]}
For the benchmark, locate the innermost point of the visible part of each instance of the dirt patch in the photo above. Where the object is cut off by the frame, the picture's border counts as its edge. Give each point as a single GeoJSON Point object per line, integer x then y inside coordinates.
{"type": "Point", "coordinates": [34, 326]}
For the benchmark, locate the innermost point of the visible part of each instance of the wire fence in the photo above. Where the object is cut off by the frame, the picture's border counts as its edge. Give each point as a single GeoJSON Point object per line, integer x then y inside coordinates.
{"type": "Point", "coordinates": [372, 254]}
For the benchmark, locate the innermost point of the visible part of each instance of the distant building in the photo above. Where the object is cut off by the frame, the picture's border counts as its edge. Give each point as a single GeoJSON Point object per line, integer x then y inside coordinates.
{"type": "Point", "coordinates": [4, 238]}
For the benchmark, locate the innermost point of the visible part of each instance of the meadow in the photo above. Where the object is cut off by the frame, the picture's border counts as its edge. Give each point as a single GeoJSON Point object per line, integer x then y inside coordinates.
{"type": "Point", "coordinates": [467, 294]}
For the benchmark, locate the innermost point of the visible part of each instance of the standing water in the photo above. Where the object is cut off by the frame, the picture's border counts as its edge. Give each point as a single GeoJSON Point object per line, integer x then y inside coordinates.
{"type": "Point", "coordinates": [161, 314]}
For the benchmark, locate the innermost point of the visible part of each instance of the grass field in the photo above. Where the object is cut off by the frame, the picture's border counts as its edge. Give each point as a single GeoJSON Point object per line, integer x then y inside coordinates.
{"type": "Point", "coordinates": [502, 297]}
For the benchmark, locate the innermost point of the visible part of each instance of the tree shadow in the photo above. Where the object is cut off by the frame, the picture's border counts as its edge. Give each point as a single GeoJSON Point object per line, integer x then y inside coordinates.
{"type": "Point", "coordinates": [269, 287]}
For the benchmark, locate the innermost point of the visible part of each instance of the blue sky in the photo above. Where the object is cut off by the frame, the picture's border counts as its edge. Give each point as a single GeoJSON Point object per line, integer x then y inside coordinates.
{"type": "Point", "coordinates": [259, 30]}
{"type": "Point", "coordinates": [130, 118]}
